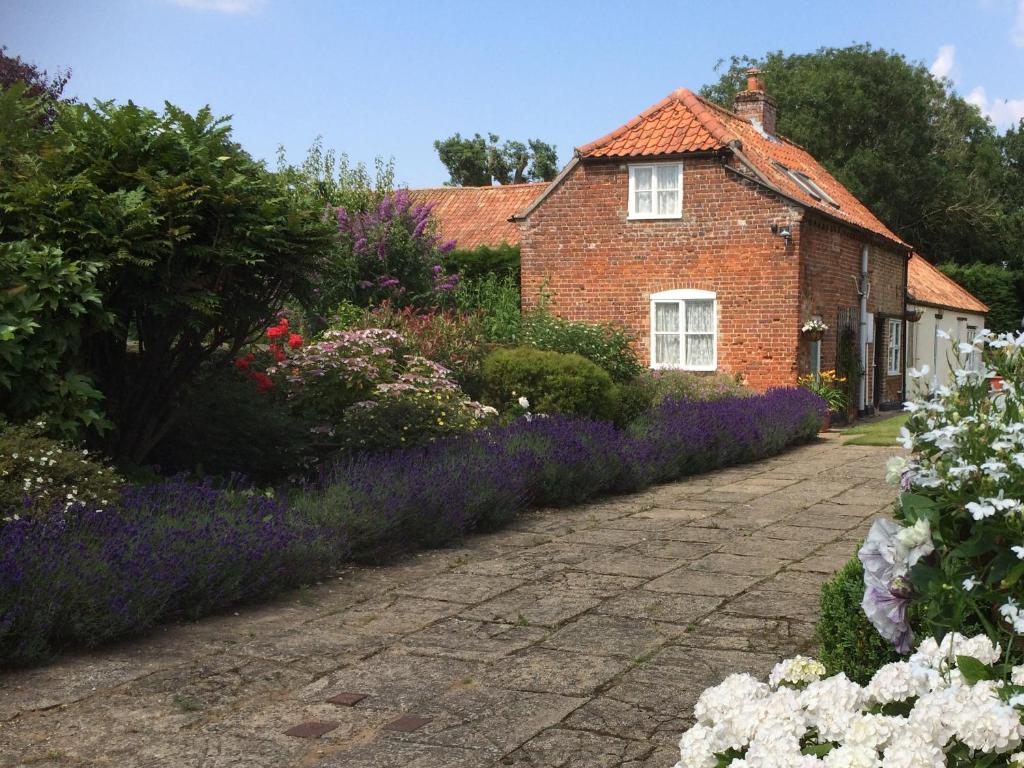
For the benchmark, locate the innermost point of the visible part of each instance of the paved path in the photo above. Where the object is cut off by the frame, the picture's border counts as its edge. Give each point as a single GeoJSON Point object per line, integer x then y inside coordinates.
{"type": "Point", "coordinates": [574, 638]}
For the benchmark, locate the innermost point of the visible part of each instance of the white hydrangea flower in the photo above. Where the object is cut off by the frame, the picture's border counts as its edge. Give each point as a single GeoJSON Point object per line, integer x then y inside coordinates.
{"type": "Point", "coordinates": [830, 704]}
{"type": "Point", "coordinates": [849, 756]}
{"type": "Point", "coordinates": [899, 681]}
{"type": "Point", "coordinates": [798, 670]}
{"type": "Point", "coordinates": [913, 749]}
{"type": "Point", "coordinates": [981, 720]}
{"type": "Point", "coordinates": [697, 748]}
{"type": "Point", "coordinates": [1017, 675]}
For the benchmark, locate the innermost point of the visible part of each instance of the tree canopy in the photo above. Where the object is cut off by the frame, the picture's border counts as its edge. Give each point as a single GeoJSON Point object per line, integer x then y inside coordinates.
{"type": "Point", "coordinates": [925, 161]}
{"type": "Point", "coordinates": [480, 161]}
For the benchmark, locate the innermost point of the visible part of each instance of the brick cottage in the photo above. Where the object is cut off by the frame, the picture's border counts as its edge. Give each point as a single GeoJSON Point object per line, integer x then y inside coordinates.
{"type": "Point", "coordinates": [713, 240]}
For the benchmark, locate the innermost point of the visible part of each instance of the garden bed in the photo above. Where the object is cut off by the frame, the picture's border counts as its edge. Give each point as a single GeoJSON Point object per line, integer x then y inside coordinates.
{"type": "Point", "coordinates": [186, 549]}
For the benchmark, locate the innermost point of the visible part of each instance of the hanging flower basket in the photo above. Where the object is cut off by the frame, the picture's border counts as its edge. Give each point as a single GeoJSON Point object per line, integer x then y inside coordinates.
{"type": "Point", "coordinates": [913, 315]}
{"type": "Point", "coordinates": [814, 329]}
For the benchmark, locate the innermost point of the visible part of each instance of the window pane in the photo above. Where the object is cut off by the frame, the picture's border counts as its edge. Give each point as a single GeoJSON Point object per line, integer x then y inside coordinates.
{"type": "Point", "coordinates": [667, 202]}
{"type": "Point", "coordinates": [700, 350]}
{"type": "Point", "coordinates": [643, 202]}
{"type": "Point", "coordinates": [666, 316]}
{"type": "Point", "coordinates": [666, 349]}
{"type": "Point", "coordinates": [700, 316]}
{"type": "Point", "coordinates": [668, 177]}
{"type": "Point", "coordinates": [642, 178]}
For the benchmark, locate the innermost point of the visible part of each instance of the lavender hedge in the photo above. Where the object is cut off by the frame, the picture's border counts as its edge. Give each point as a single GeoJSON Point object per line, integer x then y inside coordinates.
{"type": "Point", "coordinates": [185, 549]}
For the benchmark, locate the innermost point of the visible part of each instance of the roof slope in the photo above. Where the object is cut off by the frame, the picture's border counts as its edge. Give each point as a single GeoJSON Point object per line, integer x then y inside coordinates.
{"type": "Point", "coordinates": [683, 122]}
{"type": "Point", "coordinates": [927, 285]}
{"type": "Point", "coordinates": [474, 216]}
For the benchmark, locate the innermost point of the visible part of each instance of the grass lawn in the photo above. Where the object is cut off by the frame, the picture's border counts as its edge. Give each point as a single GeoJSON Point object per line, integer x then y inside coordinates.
{"type": "Point", "coordinates": [881, 432]}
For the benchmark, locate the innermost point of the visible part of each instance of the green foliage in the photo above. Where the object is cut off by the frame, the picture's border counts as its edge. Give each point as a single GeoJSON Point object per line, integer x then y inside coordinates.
{"type": "Point", "coordinates": [496, 300]}
{"type": "Point", "coordinates": [995, 285]}
{"type": "Point", "coordinates": [553, 382]}
{"type": "Point", "coordinates": [925, 161]}
{"type": "Point", "coordinates": [846, 640]}
{"type": "Point", "coordinates": [480, 162]}
{"type": "Point", "coordinates": [44, 296]}
{"type": "Point", "coordinates": [606, 345]}
{"type": "Point", "coordinates": [197, 245]}
{"type": "Point", "coordinates": [829, 387]}
{"type": "Point", "coordinates": [42, 476]}
{"type": "Point", "coordinates": [848, 362]}
{"type": "Point", "coordinates": [651, 388]}
{"type": "Point", "coordinates": [226, 425]}
{"type": "Point", "coordinates": [473, 263]}
{"type": "Point", "coordinates": [329, 178]}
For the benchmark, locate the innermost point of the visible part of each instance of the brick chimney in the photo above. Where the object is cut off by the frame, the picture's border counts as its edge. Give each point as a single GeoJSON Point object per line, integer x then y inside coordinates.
{"type": "Point", "coordinates": [754, 104]}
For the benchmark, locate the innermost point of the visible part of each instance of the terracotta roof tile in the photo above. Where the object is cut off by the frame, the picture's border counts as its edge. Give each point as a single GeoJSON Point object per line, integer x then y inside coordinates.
{"type": "Point", "coordinates": [927, 285]}
{"type": "Point", "coordinates": [704, 126]}
{"type": "Point", "coordinates": [474, 216]}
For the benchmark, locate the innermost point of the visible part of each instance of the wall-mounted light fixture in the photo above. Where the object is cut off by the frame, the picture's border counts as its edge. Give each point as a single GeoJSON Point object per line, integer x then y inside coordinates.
{"type": "Point", "coordinates": [782, 230]}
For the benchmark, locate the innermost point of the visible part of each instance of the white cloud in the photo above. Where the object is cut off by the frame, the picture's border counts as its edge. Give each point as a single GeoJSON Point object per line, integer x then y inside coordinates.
{"type": "Point", "coordinates": [222, 6]}
{"type": "Point", "coordinates": [1017, 33]}
{"type": "Point", "coordinates": [1003, 112]}
{"type": "Point", "coordinates": [943, 64]}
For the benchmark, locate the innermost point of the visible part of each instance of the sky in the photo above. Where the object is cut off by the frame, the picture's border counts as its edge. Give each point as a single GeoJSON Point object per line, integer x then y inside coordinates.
{"type": "Point", "coordinates": [385, 79]}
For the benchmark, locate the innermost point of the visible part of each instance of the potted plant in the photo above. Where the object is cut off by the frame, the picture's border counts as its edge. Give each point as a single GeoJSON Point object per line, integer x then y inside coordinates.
{"type": "Point", "coordinates": [829, 387]}
{"type": "Point", "coordinates": [814, 329]}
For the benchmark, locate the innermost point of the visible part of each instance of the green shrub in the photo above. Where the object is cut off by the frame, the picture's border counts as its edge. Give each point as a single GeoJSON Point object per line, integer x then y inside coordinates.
{"type": "Point", "coordinates": [997, 286]}
{"type": "Point", "coordinates": [553, 383]}
{"type": "Point", "coordinates": [496, 300]}
{"type": "Point", "coordinates": [227, 425]}
{"type": "Point", "coordinates": [501, 261]}
{"type": "Point", "coordinates": [846, 640]}
{"type": "Point", "coordinates": [39, 475]}
{"type": "Point", "coordinates": [606, 345]}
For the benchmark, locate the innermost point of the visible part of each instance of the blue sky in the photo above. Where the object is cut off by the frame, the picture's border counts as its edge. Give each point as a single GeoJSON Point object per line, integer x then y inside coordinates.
{"type": "Point", "coordinates": [387, 78]}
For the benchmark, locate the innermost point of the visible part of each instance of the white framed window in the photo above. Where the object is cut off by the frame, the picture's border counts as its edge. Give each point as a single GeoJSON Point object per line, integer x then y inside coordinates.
{"type": "Point", "coordinates": [972, 361]}
{"type": "Point", "coordinates": [656, 191]}
{"type": "Point", "coordinates": [894, 331]}
{"type": "Point", "coordinates": [684, 330]}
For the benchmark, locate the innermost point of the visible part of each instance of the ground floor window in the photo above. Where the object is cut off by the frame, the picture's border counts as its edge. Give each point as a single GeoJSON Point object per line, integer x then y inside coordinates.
{"type": "Point", "coordinates": [683, 330]}
{"type": "Point", "coordinates": [894, 333]}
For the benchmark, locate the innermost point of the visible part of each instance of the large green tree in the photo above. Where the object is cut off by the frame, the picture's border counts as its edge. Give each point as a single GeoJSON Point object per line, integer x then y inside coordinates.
{"type": "Point", "coordinates": [921, 158]}
{"type": "Point", "coordinates": [480, 161]}
{"type": "Point", "coordinates": [193, 246]}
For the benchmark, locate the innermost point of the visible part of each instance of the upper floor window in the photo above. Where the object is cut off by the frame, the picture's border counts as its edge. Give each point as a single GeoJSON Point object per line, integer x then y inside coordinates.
{"type": "Point", "coordinates": [894, 332]}
{"type": "Point", "coordinates": [683, 330]}
{"type": "Point", "coordinates": [656, 191]}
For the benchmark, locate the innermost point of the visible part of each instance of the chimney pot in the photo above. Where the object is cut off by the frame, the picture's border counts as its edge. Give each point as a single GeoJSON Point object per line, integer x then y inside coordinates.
{"type": "Point", "coordinates": [754, 80]}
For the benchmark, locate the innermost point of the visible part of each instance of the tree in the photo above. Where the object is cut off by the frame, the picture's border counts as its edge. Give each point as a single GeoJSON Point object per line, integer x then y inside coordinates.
{"type": "Point", "coordinates": [921, 158]}
{"type": "Point", "coordinates": [197, 246]}
{"type": "Point", "coordinates": [38, 84]}
{"type": "Point", "coordinates": [480, 162]}
{"type": "Point", "coordinates": [329, 179]}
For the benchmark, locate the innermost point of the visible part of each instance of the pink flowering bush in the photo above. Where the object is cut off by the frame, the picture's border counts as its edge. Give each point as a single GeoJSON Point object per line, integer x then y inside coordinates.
{"type": "Point", "coordinates": [367, 389]}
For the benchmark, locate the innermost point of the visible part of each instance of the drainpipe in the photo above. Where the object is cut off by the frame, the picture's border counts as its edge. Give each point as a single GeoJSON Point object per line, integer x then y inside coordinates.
{"type": "Point", "coordinates": [862, 339]}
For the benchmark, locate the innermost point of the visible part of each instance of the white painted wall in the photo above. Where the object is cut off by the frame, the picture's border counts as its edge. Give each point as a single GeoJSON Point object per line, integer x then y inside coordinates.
{"type": "Point", "coordinates": [925, 346]}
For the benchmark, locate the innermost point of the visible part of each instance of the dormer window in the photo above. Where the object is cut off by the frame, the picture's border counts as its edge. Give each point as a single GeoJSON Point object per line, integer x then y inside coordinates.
{"type": "Point", "coordinates": [807, 184]}
{"type": "Point", "coordinates": [656, 191]}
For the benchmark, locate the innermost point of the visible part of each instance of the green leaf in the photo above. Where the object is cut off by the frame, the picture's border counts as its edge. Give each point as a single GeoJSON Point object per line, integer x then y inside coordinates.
{"type": "Point", "coordinates": [973, 670]}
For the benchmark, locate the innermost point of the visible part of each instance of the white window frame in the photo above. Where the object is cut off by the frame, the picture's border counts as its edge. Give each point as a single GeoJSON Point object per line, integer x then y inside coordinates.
{"type": "Point", "coordinates": [681, 296]}
{"type": "Point", "coordinates": [894, 333]}
{"type": "Point", "coordinates": [631, 207]}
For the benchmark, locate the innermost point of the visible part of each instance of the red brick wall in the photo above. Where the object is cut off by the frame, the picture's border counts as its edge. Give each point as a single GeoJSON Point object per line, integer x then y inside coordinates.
{"type": "Point", "coordinates": [830, 262]}
{"type": "Point", "coordinates": [598, 266]}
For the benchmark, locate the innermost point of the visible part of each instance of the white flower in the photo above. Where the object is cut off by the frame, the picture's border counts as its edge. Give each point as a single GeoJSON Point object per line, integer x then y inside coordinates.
{"type": "Point", "coordinates": [969, 583]}
{"type": "Point", "coordinates": [851, 756]}
{"type": "Point", "coordinates": [524, 403]}
{"type": "Point", "coordinates": [895, 467]}
{"type": "Point", "coordinates": [905, 439]}
{"type": "Point", "coordinates": [796, 671]}
{"type": "Point", "coordinates": [979, 511]}
{"type": "Point", "coordinates": [898, 681]}
{"type": "Point", "coordinates": [914, 373]}
{"type": "Point", "coordinates": [697, 748]}
{"type": "Point", "coordinates": [942, 334]}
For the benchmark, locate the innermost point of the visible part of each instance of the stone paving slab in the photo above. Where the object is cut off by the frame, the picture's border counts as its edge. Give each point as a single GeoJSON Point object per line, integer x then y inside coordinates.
{"type": "Point", "coordinates": [573, 638]}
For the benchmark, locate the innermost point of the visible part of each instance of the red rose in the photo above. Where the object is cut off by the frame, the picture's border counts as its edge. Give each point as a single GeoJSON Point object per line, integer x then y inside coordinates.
{"type": "Point", "coordinates": [295, 341]}
{"type": "Point", "coordinates": [263, 382]}
{"type": "Point", "coordinates": [274, 331]}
